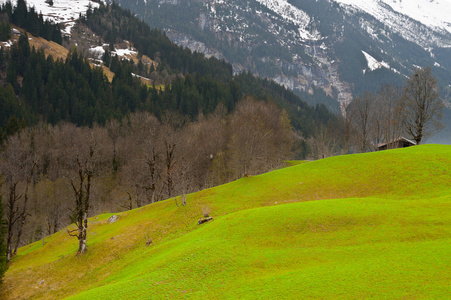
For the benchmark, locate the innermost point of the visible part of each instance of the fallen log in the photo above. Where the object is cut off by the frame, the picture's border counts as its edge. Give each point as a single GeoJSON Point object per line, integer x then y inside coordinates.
{"type": "Point", "coordinates": [204, 220]}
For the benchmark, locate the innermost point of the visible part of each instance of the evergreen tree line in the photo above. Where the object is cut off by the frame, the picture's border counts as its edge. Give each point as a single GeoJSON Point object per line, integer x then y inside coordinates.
{"type": "Point", "coordinates": [5, 31]}
{"type": "Point", "coordinates": [114, 24]}
{"type": "Point", "coordinates": [173, 59]}
{"type": "Point", "coordinates": [71, 90]}
{"type": "Point", "coordinates": [30, 20]}
{"type": "Point", "coordinates": [41, 88]}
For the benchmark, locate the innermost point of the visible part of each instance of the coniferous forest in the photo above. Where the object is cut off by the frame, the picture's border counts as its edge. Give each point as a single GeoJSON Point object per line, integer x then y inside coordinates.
{"type": "Point", "coordinates": [54, 90]}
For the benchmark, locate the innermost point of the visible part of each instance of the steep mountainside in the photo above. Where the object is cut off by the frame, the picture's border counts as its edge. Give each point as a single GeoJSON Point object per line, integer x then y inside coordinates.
{"type": "Point", "coordinates": [115, 40]}
{"type": "Point", "coordinates": [343, 47]}
{"type": "Point", "coordinates": [63, 12]}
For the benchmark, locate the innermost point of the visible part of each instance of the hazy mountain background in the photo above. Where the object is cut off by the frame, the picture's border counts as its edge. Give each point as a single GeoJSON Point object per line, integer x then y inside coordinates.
{"type": "Point", "coordinates": [326, 51]}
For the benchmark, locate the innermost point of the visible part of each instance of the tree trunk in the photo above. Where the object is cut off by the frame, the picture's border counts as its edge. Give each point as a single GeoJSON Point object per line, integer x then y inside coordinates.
{"type": "Point", "coordinates": [83, 234]}
{"type": "Point", "coordinates": [82, 196]}
{"type": "Point", "coordinates": [23, 215]}
{"type": "Point", "coordinates": [19, 232]}
{"type": "Point", "coordinates": [55, 219]}
{"type": "Point", "coordinates": [11, 218]}
{"type": "Point", "coordinates": [170, 148]}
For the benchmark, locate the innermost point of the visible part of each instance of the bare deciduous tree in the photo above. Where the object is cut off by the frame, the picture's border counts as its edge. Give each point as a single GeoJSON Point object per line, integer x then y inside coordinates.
{"type": "Point", "coordinates": [142, 171]}
{"type": "Point", "coordinates": [114, 129]}
{"type": "Point", "coordinates": [204, 139]}
{"type": "Point", "coordinates": [84, 166]}
{"type": "Point", "coordinates": [391, 113]}
{"type": "Point", "coordinates": [172, 137]}
{"type": "Point", "coordinates": [323, 143]}
{"type": "Point", "coordinates": [347, 128]}
{"type": "Point", "coordinates": [362, 118]}
{"type": "Point", "coordinates": [423, 107]}
{"type": "Point", "coordinates": [260, 139]}
{"type": "Point", "coordinates": [19, 168]}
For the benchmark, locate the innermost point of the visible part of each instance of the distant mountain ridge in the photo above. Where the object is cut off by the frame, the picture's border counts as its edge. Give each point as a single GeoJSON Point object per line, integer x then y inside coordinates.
{"type": "Point", "coordinates": [325, 51]}
{"type": "Point", "coordinates": [332, 45]}
{"type": "Point", "coordinates": [180, 81]}
{"type": "Point", "coordinates": [431, 13]}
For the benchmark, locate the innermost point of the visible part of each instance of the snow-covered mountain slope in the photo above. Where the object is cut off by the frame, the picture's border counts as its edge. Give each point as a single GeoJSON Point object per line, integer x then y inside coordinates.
{"type": "Point", "coordinates": [334, 49]}
{"type": "Point", "coordinates": [292, 14]}
{"type": "Point", "coordinates": [67, 12]}
{"type": "Point", "coordinates": [342, 47]}
{"type": "Point", "coordinates": [408, 18]}
{"type": "Point", "coordinates": [64, 12]}
{"type": "Point", "coordinates": [432, 13]}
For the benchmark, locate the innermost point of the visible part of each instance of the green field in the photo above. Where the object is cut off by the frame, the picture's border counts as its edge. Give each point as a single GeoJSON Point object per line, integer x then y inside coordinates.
{"type": "Point", "coordinates": [380, 228]}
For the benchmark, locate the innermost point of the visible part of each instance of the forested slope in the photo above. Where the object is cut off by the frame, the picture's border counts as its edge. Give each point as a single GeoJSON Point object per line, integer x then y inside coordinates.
{"type": "Point", "coordinates": [202, 127]}
{"type": "Point", "coordinates": [70, 90]}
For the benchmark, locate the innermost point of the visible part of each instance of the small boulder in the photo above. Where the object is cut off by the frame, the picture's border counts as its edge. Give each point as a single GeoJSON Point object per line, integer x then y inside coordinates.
{"type": "Point", "coordinates": [112, 219]}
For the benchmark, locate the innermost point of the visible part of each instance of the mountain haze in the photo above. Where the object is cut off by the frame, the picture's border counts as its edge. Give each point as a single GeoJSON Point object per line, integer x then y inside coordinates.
{"type": "Point", "coordinates": [325, 51]}
{"type": "Point", "coordinates": [342, 47]}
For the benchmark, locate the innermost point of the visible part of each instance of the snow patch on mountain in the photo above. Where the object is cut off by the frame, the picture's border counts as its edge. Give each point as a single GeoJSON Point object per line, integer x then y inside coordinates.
{"type": "Point", "coordinates": [97, 51]}
{"type": "Point", "coordinates": [374, 64]}
{"type": "Point", "coordinates": [401, 17]}
{"type": "Point", "coordinates": [432, 13]}
{"type": "Point", "coordinates": [123, 53]}
{"type": "Point", "coordinates": [64, 12]}
{"type": "Point", "coordinates": [293, 15]}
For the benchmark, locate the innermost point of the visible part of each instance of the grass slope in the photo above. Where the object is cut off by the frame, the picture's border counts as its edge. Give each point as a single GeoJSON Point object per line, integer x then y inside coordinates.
{"type": "Point", "coordinates": [381, 230]}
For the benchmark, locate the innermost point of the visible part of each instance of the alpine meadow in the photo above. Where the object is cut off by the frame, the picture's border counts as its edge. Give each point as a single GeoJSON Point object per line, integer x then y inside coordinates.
{"type": "Point", "coordinates": [373, 225]}
{"type": "Point", "coordinates": [206, 149]}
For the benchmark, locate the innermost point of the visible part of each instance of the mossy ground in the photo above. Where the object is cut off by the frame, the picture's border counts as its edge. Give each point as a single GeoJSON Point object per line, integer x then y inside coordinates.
{"type": "Point", "coordinates": [380, 229]}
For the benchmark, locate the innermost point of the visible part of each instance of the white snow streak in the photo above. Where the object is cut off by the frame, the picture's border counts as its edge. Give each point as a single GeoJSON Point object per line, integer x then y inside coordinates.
{"type": "Point", "coordinates": [98, 51]}
{"type": "Point", "coordinates": [432, 13]}
{"type": "Point", "coordinates": [292, 14]}
{"type": "Point", "coordinates": [373, 64]}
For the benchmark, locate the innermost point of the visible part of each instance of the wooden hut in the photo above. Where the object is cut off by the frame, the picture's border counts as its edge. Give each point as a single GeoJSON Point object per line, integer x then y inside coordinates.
{"type": "Point", "coordinates": [400, 142]}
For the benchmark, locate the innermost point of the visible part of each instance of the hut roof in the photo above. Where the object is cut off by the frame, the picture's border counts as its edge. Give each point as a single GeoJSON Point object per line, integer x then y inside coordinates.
{"type": "Point", "coordinates": [403, 139]}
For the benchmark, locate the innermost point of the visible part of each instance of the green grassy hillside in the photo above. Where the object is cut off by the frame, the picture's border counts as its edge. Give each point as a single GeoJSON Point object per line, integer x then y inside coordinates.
{"type": "Point", "coordinates": [380, 229]}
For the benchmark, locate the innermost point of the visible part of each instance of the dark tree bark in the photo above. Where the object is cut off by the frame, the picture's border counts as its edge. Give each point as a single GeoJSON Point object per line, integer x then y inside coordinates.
{"type": "Point", "coordinates": [24, 213]}
{"type": "Point", "coordinates": [12, 217]}
{"type": "Point", "coordinates": [82, 193]}
{"type": "Point", "coordinates": [18, 169]}
{"type": "Point", "coordinates": [169, 149]}
{"type": "Point", "coordinates": [151, 162]}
